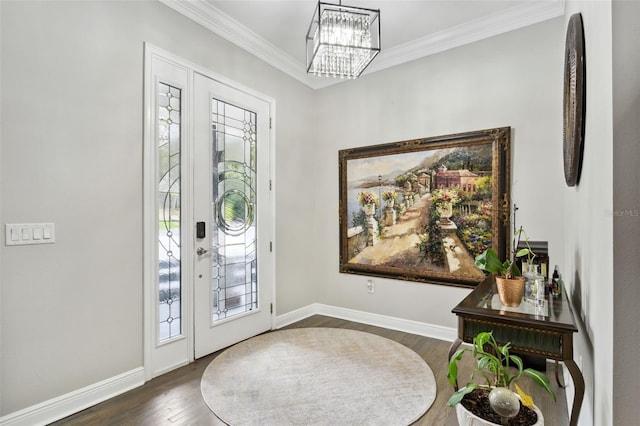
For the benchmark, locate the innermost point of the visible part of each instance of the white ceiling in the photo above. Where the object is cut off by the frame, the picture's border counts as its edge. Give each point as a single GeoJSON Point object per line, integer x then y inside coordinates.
{"type": "Point", "coordinates": [275, 30]}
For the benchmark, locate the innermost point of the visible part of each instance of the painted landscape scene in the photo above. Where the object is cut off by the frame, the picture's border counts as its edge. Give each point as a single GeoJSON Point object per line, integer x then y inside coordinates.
{"type": "Point", "coordinates": [421, 211]}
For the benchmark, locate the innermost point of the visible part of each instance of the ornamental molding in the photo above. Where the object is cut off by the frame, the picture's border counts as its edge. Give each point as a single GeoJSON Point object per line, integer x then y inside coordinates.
{"type": "Point", "coordinates": [210, 17]}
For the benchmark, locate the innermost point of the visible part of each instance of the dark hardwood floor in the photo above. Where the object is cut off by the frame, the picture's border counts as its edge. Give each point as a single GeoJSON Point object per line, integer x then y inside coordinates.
{"type": "Point", "coordinates": [174, 398]}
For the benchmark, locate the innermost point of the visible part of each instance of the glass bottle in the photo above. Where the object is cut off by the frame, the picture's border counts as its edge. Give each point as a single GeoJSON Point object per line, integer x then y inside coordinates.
{"type": "Point", "coordinates": [539, 295]}
{"type": "Point", "coordinates": [530, 274]}
{"type": "Point", "coordinates": [556, 282]}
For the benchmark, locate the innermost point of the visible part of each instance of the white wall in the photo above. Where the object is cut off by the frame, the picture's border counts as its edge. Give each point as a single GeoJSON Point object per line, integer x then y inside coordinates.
{"type": "Point", "coordinates": [588, 231]}
{"type": "Point", "coordinates": [72, 154]}
{"type": "Point", "coordinates": [513, 80]}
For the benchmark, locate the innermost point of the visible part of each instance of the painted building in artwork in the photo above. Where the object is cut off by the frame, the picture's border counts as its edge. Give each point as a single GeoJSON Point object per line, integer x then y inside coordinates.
{"type": "Point", "coordinates": [425, 180]}
{"type": "Point", "coordinates": [463, 180]}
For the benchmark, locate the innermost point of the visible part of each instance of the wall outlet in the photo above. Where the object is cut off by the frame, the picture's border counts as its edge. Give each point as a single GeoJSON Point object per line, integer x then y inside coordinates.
{"type": "Point", "coordinates": [370, 286]}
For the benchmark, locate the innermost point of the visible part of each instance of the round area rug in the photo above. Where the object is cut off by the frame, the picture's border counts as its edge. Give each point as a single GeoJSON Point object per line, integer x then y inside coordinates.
{"type": "Point", "coordinates": [318, 376]}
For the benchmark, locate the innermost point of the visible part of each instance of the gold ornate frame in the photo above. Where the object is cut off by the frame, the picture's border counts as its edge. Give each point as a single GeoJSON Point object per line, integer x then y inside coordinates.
{"type": "Point", "coordinates": [398, 252]}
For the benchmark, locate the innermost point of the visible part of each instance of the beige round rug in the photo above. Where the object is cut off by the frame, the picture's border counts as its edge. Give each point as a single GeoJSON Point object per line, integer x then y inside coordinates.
{"type": "Point", "coordinates": [318, 376]}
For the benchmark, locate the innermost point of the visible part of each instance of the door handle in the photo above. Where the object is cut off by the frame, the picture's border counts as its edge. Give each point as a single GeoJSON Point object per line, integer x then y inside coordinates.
{"type": "Point", "coordinates": [200, 251]}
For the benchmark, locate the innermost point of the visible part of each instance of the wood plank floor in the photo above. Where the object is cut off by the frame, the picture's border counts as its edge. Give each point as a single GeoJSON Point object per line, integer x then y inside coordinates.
{"type": "Point", "coordinates": [174, 398]}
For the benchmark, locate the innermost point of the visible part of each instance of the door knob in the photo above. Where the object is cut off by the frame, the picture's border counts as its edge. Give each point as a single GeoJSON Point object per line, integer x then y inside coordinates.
{"type": "Point", "coordinates": [200, 251]}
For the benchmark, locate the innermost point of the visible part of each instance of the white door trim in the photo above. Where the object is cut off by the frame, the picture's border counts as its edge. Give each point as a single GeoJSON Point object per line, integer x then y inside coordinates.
{"type": "Point", "coordinates": [185, 350]}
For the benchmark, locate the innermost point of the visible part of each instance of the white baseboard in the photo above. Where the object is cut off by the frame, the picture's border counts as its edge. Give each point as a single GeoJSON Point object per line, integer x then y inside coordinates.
{"type": "Point", "coordinates": [72, 402]}
{"type": "Point", "coordinates": [296, 315]}
{"type": "Point", "coordinates": [393, 323]}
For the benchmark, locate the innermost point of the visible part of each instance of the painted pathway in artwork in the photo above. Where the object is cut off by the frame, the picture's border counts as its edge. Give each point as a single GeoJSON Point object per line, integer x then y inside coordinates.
{"type": "Point", "coordinates": [399, 247]}
{"type": "Point", "coordinates": [400, 240]}
{"type": "Point", "coordinates": [458, 258]}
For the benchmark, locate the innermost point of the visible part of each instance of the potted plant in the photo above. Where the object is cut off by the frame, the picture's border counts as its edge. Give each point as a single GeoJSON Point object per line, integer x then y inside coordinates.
{"type": "Point", "coordinates": [389, 197]}
{"type": "Point", "coordinates": [443, 200]}
{"type": "Point", "coordinates": [509, 279]}
{"type": "Point", "coordinates": [494, 401]}
{"type": "Point", "coordinates": [369, 201]}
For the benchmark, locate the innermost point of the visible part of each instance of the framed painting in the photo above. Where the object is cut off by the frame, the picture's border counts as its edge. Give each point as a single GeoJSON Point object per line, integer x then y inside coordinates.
{"type": "Point", "coordinates": [422, 209]}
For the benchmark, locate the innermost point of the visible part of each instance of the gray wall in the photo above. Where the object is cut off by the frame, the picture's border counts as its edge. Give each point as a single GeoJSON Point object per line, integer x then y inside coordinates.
{"type": "Point", "coordinates": [626, 202]}
{"type": "Point", "coordinates": [72, 79]}
{"type": "Point", "coordinates": [514, 79]}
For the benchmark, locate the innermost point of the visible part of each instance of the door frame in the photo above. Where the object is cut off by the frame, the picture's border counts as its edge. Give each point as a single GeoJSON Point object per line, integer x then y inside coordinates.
{"type": "Point", "coordinates": [179, 351]}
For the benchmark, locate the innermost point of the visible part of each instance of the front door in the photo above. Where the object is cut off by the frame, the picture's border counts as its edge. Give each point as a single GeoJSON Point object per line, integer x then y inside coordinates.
{"type": "Point", "coordinates": [208, 227]}
{"type": "Point", "coordinates": [232, 212]}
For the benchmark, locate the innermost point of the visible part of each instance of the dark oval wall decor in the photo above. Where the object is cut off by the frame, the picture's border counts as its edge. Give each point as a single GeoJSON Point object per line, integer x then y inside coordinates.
{"type": "Point", "coordinates": [574, 100]}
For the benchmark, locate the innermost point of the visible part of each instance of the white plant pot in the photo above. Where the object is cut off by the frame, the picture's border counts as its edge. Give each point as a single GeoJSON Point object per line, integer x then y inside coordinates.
{"type": "Point", "coordinates": [369, 209]}
{"type": "Point", "coordinates": [467, 418]}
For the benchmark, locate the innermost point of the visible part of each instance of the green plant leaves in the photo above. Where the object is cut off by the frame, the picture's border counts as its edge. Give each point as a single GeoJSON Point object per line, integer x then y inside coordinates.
{"type": "Point", "coordinates": [452, 375]}
{"type": "Point", "coordinates": [504, 350]}
{"type": "Point", "coordinates": [481, 339]}
{"type": "Point", "coordinates": [457, 396]}
{"type": "Point", "coordinates": [515, 271]}
{"type": "Point", "coordinates": [495, 364]}
{"type": "Point", "coordinates": [484, 363]}
{"type": "Point", "coordinates": [541, 380]}
{"type": "Point", "coordinates": [489, 261]}
{"type": "Point", "coordinates": [517, 361]}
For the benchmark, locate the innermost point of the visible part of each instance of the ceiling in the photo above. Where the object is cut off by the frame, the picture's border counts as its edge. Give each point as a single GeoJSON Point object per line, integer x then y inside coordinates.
{"type": "Point", "coordinates": [275, 30]}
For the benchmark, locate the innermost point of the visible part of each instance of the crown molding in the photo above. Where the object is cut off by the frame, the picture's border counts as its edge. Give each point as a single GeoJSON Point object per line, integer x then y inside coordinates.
{"type": "Point", "coordinates": [479, 29]}
{"type": "Point", "coordinates": [213, 19]}
{"type": "Point", "coordinates": [228, 28]}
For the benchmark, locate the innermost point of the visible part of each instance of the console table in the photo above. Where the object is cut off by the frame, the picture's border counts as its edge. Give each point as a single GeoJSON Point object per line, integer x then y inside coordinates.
{"type": "Point", "coordinates": [545, 331]}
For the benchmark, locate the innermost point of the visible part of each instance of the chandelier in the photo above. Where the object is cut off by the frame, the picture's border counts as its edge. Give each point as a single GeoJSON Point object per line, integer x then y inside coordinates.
{"type": "Point", "coordinates": [342, 40]}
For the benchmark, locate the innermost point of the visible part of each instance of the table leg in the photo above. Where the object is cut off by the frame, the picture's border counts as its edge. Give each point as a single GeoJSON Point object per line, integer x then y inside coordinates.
{"type": "Point", "coordinates": [452, 350]}
{"type": "Point", "coordinates": [578, 382]}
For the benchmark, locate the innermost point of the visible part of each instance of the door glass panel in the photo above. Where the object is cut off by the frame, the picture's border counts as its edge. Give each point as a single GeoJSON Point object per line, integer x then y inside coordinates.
{"type": "Point", "coordinates": [169, 277]}
{"type": "Point", "coordinates": [234, 278]}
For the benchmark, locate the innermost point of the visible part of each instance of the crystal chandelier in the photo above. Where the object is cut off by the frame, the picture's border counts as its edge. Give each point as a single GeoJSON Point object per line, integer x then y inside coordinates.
{"type": "Point", "coordinates": [342, 40]}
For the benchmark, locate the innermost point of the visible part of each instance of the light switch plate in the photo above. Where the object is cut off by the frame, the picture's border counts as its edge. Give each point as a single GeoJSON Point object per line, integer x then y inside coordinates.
{"type": "Point", "coordinates": [19, 234]}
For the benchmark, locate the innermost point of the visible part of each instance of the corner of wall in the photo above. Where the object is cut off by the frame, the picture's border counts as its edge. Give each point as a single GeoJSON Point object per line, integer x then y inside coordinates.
{"type": "Point", "coordinates": [1, 214]}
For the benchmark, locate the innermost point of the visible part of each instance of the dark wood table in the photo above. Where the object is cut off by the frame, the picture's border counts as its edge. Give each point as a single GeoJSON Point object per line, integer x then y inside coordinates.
{"type": "Point", "coordinates": [545, 332]}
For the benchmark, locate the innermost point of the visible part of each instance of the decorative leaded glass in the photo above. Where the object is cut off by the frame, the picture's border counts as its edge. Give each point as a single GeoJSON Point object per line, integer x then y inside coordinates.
{"type": "Point", "coordinates": [234, 237]}
{"type": "Point", "coordinates": [169, 277]}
